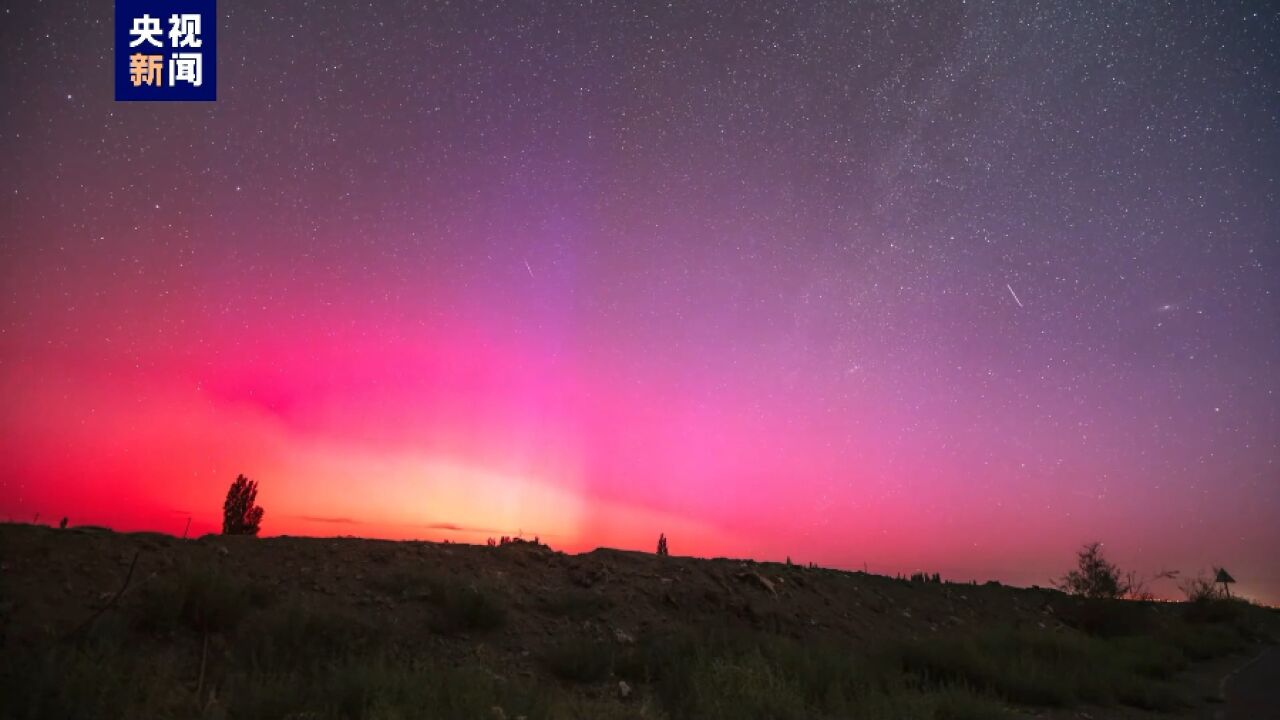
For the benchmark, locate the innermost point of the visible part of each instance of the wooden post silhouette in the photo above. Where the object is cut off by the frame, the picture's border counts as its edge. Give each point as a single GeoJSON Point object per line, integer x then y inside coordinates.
{"type": "Point", "coordinates": [1225, 578]}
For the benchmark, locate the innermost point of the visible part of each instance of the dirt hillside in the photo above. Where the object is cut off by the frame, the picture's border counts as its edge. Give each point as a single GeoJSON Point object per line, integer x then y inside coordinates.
{"type": "Point", "coordinates": [522, 612]}
{"type": "Point", "coordinates": [56, 579]}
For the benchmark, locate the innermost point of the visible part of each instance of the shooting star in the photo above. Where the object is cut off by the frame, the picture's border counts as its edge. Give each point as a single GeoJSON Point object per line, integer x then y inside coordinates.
{"type": "Point", "coordinates": [1014, 294]}
{"type": "Point", "coordinates": [526, 267]}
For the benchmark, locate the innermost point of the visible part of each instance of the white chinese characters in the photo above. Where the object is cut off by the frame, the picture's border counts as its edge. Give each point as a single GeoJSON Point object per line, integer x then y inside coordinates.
{"type": "Point", "coordinates": [182, 67]}
{"type": "Point", "coordinates": [145, 29]}
{"type": "Point", "coordinates": [185, 67]}
{"type": "Point", "coordinates": [184, 30]}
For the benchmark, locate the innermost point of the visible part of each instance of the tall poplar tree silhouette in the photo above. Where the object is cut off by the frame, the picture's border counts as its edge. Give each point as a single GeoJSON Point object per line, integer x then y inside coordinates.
{"type": "Point", "coordinates": [239, 514]}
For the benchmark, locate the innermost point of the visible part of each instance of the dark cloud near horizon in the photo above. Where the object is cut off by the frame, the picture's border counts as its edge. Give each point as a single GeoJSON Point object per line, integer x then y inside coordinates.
{"type": "Point", "coordinates": [451, 527]}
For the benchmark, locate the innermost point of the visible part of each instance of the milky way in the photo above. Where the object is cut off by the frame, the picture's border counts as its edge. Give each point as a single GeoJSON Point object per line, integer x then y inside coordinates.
{"type": "Point", "coordinates": [949, 286]}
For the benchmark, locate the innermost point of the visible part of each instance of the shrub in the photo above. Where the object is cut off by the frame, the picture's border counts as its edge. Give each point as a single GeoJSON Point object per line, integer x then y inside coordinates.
{"type": "Point", "coordinates": [1207, 603]}
{"type": "Point", "coordinates": [1094, 576]}
{"type": "Point", "coordinates": [1200, 589]}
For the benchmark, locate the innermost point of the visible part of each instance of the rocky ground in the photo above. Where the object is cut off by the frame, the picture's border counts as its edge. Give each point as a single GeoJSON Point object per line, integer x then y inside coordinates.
{"type": "Point", "coordinates": [577, 629]}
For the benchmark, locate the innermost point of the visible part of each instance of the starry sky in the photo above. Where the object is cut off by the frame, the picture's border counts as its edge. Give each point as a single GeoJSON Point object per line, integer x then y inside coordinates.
{"type": "Point", "coordinates": [950, 286]}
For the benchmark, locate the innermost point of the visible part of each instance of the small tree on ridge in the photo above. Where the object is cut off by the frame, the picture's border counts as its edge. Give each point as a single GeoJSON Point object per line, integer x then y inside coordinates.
{"type": "Point", "coordinates": [1094, 576]}
{"type": "Point", "coordinates": [240, 516]}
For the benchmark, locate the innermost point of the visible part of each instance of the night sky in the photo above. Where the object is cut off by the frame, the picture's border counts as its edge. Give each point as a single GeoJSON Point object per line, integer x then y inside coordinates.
{"type": "Point", "coordinates": [949, 286]}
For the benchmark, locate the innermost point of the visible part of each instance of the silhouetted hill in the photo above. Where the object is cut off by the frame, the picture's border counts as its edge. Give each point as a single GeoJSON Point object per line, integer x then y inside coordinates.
{"type": "Point", "coordinates": [343, 627]}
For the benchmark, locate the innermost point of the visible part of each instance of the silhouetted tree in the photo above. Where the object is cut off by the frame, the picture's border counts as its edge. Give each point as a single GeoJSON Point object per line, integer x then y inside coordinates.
{"type": "Point", "coordinates": [662, 545]}
{"type": "Point", "coordinates": [240, 516]}
{"type": "Point", "coordinates": [63, 525]}
{"type": "Point", "coordinates": [1094, 576]}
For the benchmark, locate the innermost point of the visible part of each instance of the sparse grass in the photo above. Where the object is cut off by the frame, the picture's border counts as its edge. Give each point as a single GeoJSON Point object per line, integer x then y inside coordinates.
{"type": "Point", "coordinates": [203, 598]}
{"type": "Point", "coordinates": [1207, 641]}
{"type": "Point", "coordinates": [87, 681]}
{"type": "Point", "coordinates": [726, 673]}
{"type": "Point", "coordinates": [385, 688]}
{"type": "Point", "coordinates": [1063, 669]}
{"type": "Point", "coordinates": [577, 604]}
{"type": "Point", "coordinates": [1109, 618]}
{"type": "Point", "coordinates": [459, 607]}
{"type": "Point", "coordinates": [1051, 669]}
{"type": "Point", "coordinates": [763, 675]}
{"type": "Point", "coordinates": [580, 661]}
{"type": "Point", "coordinates": [116, 682]}
{"type": "Point", "coordinates": [275, 651]}
{"type": "Point", "coordinates": [294, 660]}
{"type": "Point", "coordinates": [294, 635]}
{"type": "Point", "coordinates": [465, 608]}
{"type": "Point", "coordinates": [402, 584]}
{"type": "Point", "coordinates": [1213, 608]}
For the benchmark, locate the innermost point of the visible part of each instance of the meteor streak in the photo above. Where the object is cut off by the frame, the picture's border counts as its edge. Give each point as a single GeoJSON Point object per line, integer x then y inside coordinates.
{"type": "Point", "coordinates": [1014, 294]}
